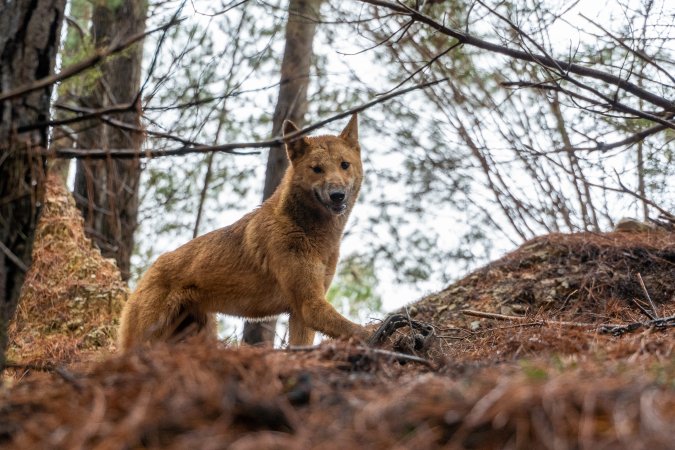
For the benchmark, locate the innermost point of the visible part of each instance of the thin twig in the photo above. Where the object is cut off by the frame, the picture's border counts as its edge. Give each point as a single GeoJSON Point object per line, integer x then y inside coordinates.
{"type": "Point", "coordinates": [646, 312]}
{"type": "Point", "coordinates": [398, 356]}
{"type": "Point", "coordinates": [462, 333]}
{"type": "Point", "coordinates": [637, 52]}
{"type": "Point", "coordinates": [644, 288]}
{"type": "Point", "coordinates": [633, 139]}
{"type": "Point", "coordinates": [29, 366]}
{"type": "Point", "coordinates": [15, 259]}
{"type": "Point", "coordinates": [83, 114]}
{"type": "Point", "coordinates": [60, 371]}
{"type": "Point", "coordinates": [508, 327]}
{"type": "Point", "coordinates": [369, 350]}
{"type": "Point", "coordinates": [452, 338]}
{"type": "Point", "coordinates": [81, 66]}
{"type": "Point", "coordinates": [69, 377]}
{"type": "Point", "coordinates": [228, 148]}
{"type": "Point", "coordinates": [606, 103]}
{"type": "Point", "coordinates": [543, 60]}
{"type": "Point", "coordinates": [617, 330]}
{"type": "Point", "coordinates": [495, 316]}
{"type": "Point", "coordinates": [302, 348]}
{"type": "Point", "coordinates": [636, 195]}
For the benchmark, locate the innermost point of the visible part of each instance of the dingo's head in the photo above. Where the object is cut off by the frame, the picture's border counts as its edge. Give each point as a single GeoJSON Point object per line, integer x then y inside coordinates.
{"type": "Point", "coordinates": [327, 169]}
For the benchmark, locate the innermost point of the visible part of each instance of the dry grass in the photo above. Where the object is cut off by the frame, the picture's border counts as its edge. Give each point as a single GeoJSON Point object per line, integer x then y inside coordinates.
{"type": "Point", "coordinates": [491, 384]}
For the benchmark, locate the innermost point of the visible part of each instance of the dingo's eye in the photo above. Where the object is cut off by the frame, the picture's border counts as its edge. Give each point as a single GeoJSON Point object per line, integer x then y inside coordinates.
{"type": "Point", "coordinates": [345, 165]}
{"type": "Point", "coordinates": [317, 169]}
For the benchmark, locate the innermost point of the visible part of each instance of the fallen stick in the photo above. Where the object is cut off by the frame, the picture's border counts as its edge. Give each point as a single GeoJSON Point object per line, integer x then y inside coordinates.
{"type": "Point", "coordinates": [644, 289]}
{"type": "Point", "coordinates": [495, 316]}
{"type": "Point", "coordinates": [397, 355]}
{"type": "Point", "coordinates": [59, 370]}
{"type": "Point", "coordinates": [367, 350]}
{"type": "Point", "coordinates": [644, 310]}
{"type": "Point", "coordinates": [615, 329]}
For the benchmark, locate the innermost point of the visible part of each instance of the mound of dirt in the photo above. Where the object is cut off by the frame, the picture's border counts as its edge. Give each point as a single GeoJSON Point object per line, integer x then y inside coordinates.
{"type": "Point", "coordinates": [585, 276]}
{"type": "Point", "coordinates": [71, 297]}
{"type": "Point", "coordinates": [544, 376]}
{"type": "Point", "coordinates": [573, 281]}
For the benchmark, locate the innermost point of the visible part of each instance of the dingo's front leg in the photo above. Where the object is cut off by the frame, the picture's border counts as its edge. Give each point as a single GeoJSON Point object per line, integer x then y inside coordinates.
{"type": "Point", "coordinates": [322, 316]}
{"type": "Point", "coordinates": [302, 282]}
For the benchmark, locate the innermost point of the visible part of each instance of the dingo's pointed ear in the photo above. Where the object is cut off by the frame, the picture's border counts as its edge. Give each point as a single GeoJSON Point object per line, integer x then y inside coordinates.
{"type": "Point", "coordinates": [289, 127]}
{"type": "Point", "coordinates": [297, 148]}
{"type": "Point", "coordinates": [351, 132]}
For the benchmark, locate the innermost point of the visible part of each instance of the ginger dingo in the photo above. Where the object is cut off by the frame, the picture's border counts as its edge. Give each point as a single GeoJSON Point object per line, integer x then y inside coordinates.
{"type": "Point", "coordinates": [279, 258]}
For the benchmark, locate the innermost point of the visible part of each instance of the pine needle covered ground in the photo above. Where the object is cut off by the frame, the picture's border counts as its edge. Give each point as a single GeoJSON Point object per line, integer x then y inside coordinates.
{"type": "Point", "coordinates": [538, 372]}
{"type": "Point", "coordinates": [71, 297]}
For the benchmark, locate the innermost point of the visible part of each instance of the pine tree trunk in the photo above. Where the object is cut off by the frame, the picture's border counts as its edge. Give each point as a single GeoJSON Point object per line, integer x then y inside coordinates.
{"type": "Point", "coordinates": [74, 41]}
{"type": "Point", "coordinates": [291, 105]}
{"type": "Point", "coordinates": [106, 191]}
{"type": "Point", "coordinates": [28, 45]}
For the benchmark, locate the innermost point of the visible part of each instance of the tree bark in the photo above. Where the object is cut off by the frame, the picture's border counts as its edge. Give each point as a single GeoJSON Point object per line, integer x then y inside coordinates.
{"type": "Point", "coordinates": [292, 105]}
{"type": "Point", "coordinates": [106, 190]}
{"type": "Point", "coordinates": [74, 41]}
{"type": "Point", "coordinates": [28, 46]}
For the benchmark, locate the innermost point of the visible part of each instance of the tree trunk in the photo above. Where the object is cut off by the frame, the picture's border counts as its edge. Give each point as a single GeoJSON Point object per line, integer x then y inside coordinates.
{"type": "Point", "coordinates": [74, 41]}
{"type": "Point", "coordinates": [291, 105]}
{"type": "Point", "coordinates": [28, 44]}
{"type": "Point", "coordinates": [106, 191]}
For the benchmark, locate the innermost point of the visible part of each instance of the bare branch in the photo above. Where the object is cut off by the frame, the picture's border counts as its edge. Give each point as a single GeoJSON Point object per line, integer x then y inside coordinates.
{"type": "Point", "coordinates": [601, 146]}
{"type": "Point", "coordinates": [226, 148]}
{"type": "Point", "coordinates": [640, 54]}
{"type": "Point", "coordinates": [84, 114]}
{"type": "Point", "coordinates": [12, 257]}
{"type": "Point", "coordinates": [81, 66]}
{"type": "Point", "coordinates": [649, 297]}
{"type": "Point", "coordinates": [495, 316]}
{"type": "Point", "coordinates": [638, 196]}
{"type": "Point", "coordinates": [543, 60]}
{"type": "Point", "coordinates": [609, 103]}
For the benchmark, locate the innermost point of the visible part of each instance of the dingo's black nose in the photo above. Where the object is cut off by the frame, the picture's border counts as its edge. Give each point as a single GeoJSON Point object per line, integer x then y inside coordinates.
{"type": "Point", "coordinates": [337, 197]}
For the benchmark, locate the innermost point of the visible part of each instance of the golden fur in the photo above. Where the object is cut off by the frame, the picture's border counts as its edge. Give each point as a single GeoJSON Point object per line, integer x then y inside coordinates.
{"type": "Point", "coordinates": [279, 258]}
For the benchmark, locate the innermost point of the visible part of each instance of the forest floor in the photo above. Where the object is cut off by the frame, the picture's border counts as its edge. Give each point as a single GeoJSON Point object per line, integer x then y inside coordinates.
{"type": "Point", "coordinates": [550, 346]}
